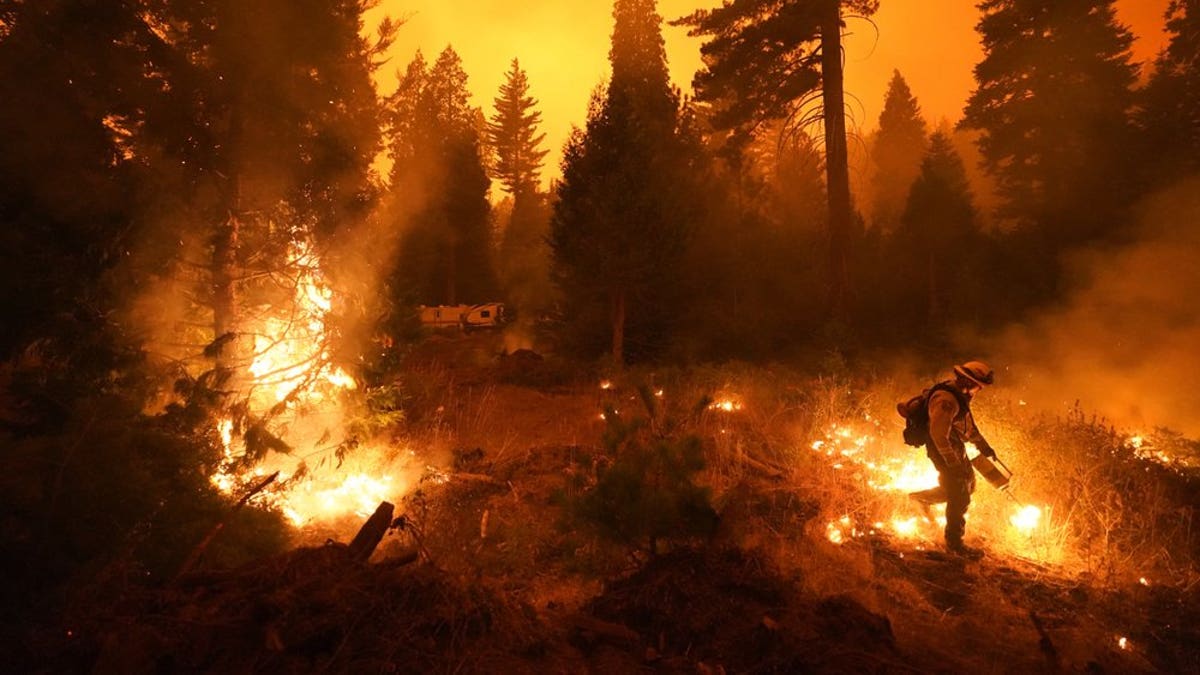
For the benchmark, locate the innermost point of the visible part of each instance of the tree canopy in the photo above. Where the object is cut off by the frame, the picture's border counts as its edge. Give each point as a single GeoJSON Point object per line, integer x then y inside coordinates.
{"type": "Point", "coordinates": [513, 134]}
{"type": "Point", "coordinates": [1053, 100]}
{"type": "Point", "coordinates": [764, 61]}
{"type": "Point", "coordinates": [896, 153]}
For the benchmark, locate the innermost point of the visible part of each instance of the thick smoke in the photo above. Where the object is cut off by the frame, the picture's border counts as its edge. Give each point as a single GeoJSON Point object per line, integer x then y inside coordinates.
{"type": "Point", "coordinates": [1126, 341]}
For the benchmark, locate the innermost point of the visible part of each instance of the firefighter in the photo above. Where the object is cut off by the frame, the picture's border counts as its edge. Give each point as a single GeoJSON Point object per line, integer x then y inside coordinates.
{"type": "Point", "coordinates": [951, 427]}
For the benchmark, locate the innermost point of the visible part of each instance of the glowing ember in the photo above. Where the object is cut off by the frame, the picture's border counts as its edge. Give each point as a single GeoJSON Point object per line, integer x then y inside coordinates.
{"type": "Point", "coordinates": [905, 528]}
{"type": "Point", "coordinates": [1122, 642]}
{"type": "Point", "coordinates": [606, 384]}
{"type": "Point", "coordinates": [1143, 581]}
{"type": "Point", "coordinates": [725, 405]}
{"type": "Point", "coordinates": [833, 533]}
{"type": "Point", "coordinates": [1026, 519]}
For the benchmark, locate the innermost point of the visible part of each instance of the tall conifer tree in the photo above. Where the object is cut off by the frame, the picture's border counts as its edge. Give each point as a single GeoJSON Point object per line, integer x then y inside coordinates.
{"type": "Point", "coordinates": [438, 177]}
{"type": "Point", "coordinates": [513, 133]}
{"type": "Point", "coordinates": [621, 220]}
{"type": "Point", "coordinates": [74, 89]}
{"type": "Point", "coordinates": [896, 153]}
{"type": "Point", "coordinates": [764, 61]}
{"type": "Point", "coordinates": [1169, 119]}
{"type": "Point", "coordinates": [1052, 101]}
{"type": "Point", "coordinates": [516, 143]}
{"type": "Point", "coordinates": [936, 247]}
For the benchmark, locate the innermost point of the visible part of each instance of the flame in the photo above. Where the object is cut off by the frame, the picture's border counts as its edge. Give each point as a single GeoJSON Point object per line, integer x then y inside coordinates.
{"type": "Point", "coordinates": [871, 455]}
{"type": "Point", "coordinates": [905, 528]}
{"type": "Point", "coordinates": [289, 351]}
{"type": "Point", "coordinates": [358, 492]}
{"type": "Point", "coordinates": [911, 476]}
{"type": "Point", "coordinates": [1026, 519]}
{"type": "Point", "coordinates": [290, 366]}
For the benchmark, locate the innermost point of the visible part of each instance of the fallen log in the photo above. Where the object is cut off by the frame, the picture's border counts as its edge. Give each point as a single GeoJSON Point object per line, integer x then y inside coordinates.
{"type": "Point", "coordinates": [371, 533]}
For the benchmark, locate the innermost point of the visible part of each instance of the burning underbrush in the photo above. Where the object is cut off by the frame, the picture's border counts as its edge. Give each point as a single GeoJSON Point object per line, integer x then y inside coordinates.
{"type": "Point", "coordinates": [298, 434]}
{"type": "Point", "coordinates": [1072, 494]}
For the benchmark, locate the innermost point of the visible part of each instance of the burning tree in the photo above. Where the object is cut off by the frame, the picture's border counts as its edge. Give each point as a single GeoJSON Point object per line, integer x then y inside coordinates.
{"type": "Point", "coordinates": [271, 131]}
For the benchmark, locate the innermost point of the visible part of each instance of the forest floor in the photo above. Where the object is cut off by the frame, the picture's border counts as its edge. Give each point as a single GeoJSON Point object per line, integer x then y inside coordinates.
{"type": "Point", "coordinates": [503, 581]}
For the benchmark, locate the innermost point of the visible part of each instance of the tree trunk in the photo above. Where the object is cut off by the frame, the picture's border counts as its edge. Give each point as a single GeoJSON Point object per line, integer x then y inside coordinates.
{"type": "Point", "coordinates": [837, 172]}
{"type": "Point", "coordinates": [452, 272]}
{"type": "Point", "coordinates": [224, 267]}
{"type": "Point", "coordinates": [618, 328]}
{"type": "Point", "coordinates": [934, 310]}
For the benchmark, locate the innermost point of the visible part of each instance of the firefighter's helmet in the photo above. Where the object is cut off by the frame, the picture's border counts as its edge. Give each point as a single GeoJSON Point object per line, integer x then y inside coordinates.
{"type": "Point", "coordinates": [976, 371]}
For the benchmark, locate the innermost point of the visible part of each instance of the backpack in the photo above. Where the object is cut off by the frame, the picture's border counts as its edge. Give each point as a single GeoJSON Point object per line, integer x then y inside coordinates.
{"type": "Point", "coordinates": [915, 412]}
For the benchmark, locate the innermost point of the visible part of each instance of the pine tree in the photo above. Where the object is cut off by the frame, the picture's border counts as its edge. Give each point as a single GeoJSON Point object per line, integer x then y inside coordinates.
{"type": "Point", "coordinates": [937, 246]}
{"type": "Point", "coordinates": [1052, 101]}
{"type": "Point", "coordinates": [621, 220]}
{"type": "Point", "coordinates": [513, 134]}
{"type": "Point", "coordinates": [516, 143]}
{"type": "Point", "coordinates": [896, 153]}
{"type": "Point", "coordinates": [440, 184]}
{"type": "Point", "coordinates": [1169, 120]}
{"type": "Point", "coordinates": [74, 91]}
{"type": "Point", "coordinates": [764, 61]}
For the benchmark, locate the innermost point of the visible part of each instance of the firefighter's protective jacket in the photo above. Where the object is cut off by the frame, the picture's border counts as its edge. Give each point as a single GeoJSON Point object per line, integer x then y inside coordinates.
{"type": "Point", "coordinates": [951, 427]}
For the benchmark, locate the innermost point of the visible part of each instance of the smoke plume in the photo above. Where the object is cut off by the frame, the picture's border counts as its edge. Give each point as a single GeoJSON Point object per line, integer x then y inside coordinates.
{"type": "Point", "coordinates": [1126, 341]}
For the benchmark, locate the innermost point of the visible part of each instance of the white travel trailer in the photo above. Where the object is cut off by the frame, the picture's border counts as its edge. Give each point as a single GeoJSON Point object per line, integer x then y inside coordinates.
{"type": "Point", "coordinates": [486, 315]}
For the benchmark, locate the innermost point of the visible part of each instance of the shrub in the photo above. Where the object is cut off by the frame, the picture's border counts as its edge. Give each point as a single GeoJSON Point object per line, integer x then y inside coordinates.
{"type": "Point", "coordinates": [646, 493]}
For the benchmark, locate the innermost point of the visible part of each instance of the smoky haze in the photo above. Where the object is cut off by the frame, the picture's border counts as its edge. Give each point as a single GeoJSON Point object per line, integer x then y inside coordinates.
{"type": "Point", "coordinates": [1125, 341]}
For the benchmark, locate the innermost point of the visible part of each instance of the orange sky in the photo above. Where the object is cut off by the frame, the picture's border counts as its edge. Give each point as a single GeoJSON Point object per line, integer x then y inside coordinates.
{"type": "Point", "coordinates": [563, 45]}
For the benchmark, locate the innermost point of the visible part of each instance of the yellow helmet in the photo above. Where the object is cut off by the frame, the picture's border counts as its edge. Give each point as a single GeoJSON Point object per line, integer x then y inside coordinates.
{"type": "Point", "coordinates": [976, 371]}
